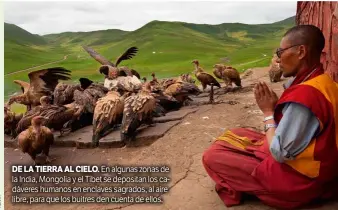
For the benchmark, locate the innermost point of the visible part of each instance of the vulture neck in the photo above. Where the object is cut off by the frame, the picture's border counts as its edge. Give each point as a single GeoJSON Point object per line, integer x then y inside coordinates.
{"type": "Point", "coordinates": [196, 66]}
{"type": "Point", "coordinates": [22, 99]}
{"type": "Point", "coordinates": [37, 129]}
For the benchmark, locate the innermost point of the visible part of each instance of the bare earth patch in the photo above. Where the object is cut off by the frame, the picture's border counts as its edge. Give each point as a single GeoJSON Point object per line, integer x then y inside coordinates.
{"type": "Point", "coordinates": [181, 148]}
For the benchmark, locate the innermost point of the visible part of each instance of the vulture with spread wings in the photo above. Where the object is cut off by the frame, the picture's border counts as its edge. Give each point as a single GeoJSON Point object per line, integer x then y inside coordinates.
{"type": "Point", "coordinates": [110, 69]}
{"type": "Point", "coordinates": [41, 83]}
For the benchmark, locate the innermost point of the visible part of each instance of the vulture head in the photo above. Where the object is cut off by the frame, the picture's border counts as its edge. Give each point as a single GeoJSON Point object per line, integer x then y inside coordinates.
{"type": "Point", "coordinates": [104, 70]}
{"type": "Point", "coordinates": [218, 66]}
{"type": "Point", "coordinates": [85, 83]}
{"type": "Point", "coordinates": [147, 86]}
{"type": "Point", "coordinates": [144, 79]}
{"type": "Point", "coordinates": [38, 120]}
{"type": "Point", "coordinates": [45, 100]}
{"type": "Point", "coordinates": [188, 78]}
{"type": "Point", "coordinates": [6, 109]}
{"type": "Point", "coordinates": [195, 62]}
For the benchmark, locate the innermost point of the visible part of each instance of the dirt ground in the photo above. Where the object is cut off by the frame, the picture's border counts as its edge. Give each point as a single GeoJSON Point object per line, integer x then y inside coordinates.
{"type": "Point", "coordinates": [181, 149]}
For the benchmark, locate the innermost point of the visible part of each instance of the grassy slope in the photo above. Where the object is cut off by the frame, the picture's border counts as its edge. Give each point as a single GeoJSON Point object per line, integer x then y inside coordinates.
{"type": "Point", "coordinates": [24, 50]}
{"type": "Point", "coordinates": [176, 44]}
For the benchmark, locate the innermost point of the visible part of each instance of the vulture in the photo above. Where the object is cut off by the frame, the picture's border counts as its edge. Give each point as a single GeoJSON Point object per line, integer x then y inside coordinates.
{"type": "Point", "coordinates": [90, 93]}
{"type": "Point", "coordinates": [42, 83]}
{"type": "Point", "coordinates": [36, 139]}
{"type": "Point", "coordinates": [228, 74]}
{"type": "Point", "coordinates": [154, 78]}
{"type": "Point", "coordinates": [125, 71]}
{"type": "Point", "coordinates": [203, 77]}
{"type": "Point", "coordinates": [85, 102]}
{"type": "Point", "coordinates": [187, 78]}
{"type": "Point", "coordinates": [64, 93]}
{"type": "Point", "coordinates": [11, 121]}
{"type": "Point", "coordinates": [138, 109]}
{"type": "Point", "coordinates": [275, 72]}
{"type": "Point", "coordinates": [57, 116]}
{"type": "Point", "coordinates": [108, 113]}
{"type": "Point", "coordinates": [25, 121]}
{"type": "Point", "coordinates": [104, 69]}
{"type": "Point", "coordinates": [182, 90]}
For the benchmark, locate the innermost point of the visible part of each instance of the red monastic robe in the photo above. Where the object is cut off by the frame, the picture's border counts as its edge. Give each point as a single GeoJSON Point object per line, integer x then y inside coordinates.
{"type": "Point", "coordinates": [240, 162]}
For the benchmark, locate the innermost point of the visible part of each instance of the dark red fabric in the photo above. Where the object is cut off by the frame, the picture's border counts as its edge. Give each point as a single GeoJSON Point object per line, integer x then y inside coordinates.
{"type": "Point", "coordinates": [304, 189]}
{"type": "Point", "coordinates": [234, 171]}
{"type": "Point", "coordinates": [325, 149]}
{"type": "Point", "coordinates": [299, 79]}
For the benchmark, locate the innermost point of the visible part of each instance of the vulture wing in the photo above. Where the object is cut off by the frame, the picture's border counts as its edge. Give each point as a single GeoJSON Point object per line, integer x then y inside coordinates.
{"type": "Point", "coordinates": [208, 79]}
{"type": "Point", "coordinates": [25, 121]}
{"type": "Point", "coordinates": [134, 72]}
{"type": "Point", "coordinates": [108, 111]}
{"type": "Point", "coordinates": [45, 80]}
{"type": "Point", "coordinates": [63, 93]}
{"type": "Point", "coordinates": [217, 72]}
{"type": "Point", "coordinates": [137, 110]}
{"type": "Point", "coordinates": [24, 85]}
{"type": "Point", "coordinates": [99, 58]}
{"type": "Point", "coordinates": [85, 83]}
{"type": "Point", "coordinates": [128, 54]}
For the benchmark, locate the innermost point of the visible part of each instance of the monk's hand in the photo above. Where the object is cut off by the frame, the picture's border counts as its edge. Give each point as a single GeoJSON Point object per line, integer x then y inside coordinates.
{"type": "Point", "coordinates": [266, 98]}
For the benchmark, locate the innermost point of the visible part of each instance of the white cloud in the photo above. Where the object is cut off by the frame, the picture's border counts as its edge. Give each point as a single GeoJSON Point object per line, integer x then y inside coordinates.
{"type": "Point", "coordinates": [45, 17]}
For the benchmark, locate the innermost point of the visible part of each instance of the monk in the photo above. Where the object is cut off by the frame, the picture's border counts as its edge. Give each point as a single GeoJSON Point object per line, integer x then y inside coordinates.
{"type": "Point", "coordinates": [295, 163]}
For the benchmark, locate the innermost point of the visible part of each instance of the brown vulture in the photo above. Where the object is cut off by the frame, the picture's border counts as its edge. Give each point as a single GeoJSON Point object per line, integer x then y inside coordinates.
{"type": "Point", "coordinates": [42, 83]}
{"type": "Point", "coordinates": [64, 93]}
{"type": "Point", "coordinates": [228, 74]}
{"type": "Point", "coordinates": [138, 109]}
{"type": "Point", "coordinates": [275, 72]}
{"type": "Point", "coordinates": [11, 121]}
{"type": "Point", "coordinates": [110, 69]}
{"type": "Point", "coordinates": [107, 114]}
{"type": "Point", "coordinates": [203, 77]}
{"type": "Point", "coordinates": [36, 139]}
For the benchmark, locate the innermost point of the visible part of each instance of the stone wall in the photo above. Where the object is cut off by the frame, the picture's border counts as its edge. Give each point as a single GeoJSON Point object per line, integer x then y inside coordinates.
{"type": "Point", "coordinates": [325, 16]}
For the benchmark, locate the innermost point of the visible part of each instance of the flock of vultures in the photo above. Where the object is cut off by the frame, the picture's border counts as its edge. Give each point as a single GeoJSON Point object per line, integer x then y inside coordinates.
{"type": "Point", "coordinates": [123, 101]}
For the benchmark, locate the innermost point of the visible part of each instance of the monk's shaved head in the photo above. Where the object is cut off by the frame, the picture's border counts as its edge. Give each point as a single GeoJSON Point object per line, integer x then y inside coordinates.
{"type": "Point", "coordinates": [308, 35]}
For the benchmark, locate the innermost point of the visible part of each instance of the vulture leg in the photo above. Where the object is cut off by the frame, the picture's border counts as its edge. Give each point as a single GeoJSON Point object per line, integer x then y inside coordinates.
{"type": "Point", "coordinates": [211, 94]}
{"type": "Point", "coordinates": [33, 156]}
{"type": "Point", "coordinates": [204, 86]}
{"type": "Point", "coordinates": [46, 152]}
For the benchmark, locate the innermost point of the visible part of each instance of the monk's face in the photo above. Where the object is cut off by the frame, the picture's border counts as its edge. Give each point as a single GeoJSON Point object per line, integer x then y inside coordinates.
{"type": "Point", "coordinates": [289, 58]}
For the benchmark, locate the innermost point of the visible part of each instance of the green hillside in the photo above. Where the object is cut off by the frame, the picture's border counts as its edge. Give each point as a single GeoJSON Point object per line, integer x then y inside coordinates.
{"type": "Point", "coordinates": [24, 50]}
{"type": "Point", "coordinates": [166, 48]}
{"type": "Point", "coordinates": [21, 36]}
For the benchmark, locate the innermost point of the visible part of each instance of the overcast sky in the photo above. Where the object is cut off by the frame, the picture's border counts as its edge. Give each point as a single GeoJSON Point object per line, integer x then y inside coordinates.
{"type": "Point", "coordinates": [45, 17]}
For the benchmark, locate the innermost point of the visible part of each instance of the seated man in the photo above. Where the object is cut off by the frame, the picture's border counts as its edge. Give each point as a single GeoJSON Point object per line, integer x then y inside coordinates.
{"type": "Point", "coordinates": [296, 161]}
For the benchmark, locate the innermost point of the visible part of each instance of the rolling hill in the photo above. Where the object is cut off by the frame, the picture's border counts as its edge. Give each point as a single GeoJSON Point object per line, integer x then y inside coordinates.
{"type": "Point", "coordinates": [24, 50]}
{"type": "Point", "coordinates": [166, 48]}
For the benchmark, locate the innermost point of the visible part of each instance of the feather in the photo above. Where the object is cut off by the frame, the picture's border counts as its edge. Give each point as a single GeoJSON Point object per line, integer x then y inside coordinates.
{"type": "Point", "coordinates": [128, 54]}
{"type": "Point", "coordinates": [138, 109]}
{"type": "Point", "coordinates": [24, 85]}
{"type": "Point", "coordinates": [99, 58]}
